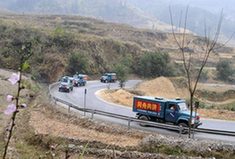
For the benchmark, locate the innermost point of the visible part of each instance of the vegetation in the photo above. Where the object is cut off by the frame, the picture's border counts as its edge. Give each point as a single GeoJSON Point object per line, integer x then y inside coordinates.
{"type": "Point", "coordinates": [77, 63]}
{"type": "Point", "coordinates": [224, 70]}
{"type": "Point", "coordinates": [179, 151]}
{"type": "Point", "coordinates": [154, 64]}
{"type": "Point", "coordinates": [58, 38]}
{"type": "Point", "coordinates": [122, 72]}
{"type": "Point", "coordinates": [188, 56]}
{"type": "Point", "coordinates": [22, 49]}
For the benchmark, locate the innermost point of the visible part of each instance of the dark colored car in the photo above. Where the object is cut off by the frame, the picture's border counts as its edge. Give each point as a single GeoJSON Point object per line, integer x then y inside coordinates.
{"type": "Point", "coordinates": [66, 84]}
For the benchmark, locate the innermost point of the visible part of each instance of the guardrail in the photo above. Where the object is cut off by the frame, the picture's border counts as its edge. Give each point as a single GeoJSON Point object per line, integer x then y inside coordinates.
{"type": "Point", "coordinates": [132, 119]}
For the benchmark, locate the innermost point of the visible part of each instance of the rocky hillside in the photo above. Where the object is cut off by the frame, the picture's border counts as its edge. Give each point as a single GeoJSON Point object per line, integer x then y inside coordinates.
{"type": "Point", "coordinates": [56, 39]}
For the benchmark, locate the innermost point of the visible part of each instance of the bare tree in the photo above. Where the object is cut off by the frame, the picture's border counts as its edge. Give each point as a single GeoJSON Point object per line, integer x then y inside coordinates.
{"type": "Point", "coordinates": [207, 46]}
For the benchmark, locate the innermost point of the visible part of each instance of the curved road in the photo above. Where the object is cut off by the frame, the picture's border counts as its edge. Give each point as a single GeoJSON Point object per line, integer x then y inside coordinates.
{"type": "Point", "coordinates": [93, 102]}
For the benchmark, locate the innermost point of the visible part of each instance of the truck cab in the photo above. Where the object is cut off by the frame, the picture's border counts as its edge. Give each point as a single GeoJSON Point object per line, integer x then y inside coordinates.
{"type": "Point", "coordinates": [108, 78]}
{"type": "Point", "coordinates": [178, 113]}
{"type": "Point", "coordinates": [174, 111]}
{"type": "Point", "coordinates": [80, 80]}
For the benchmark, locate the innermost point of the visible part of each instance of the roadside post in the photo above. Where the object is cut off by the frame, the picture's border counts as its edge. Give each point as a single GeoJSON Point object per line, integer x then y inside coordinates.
{"type": "Point", "coordinates": [129, 123]}
{"type": "Point", "coordinates": [196, 105]}
{"type": "Point", "coordinates": [108, 85]}
{"type": "Point", "coordinates": [69, 109]}
{"type": "Point", "coordinates": [180, 131]}
{"type": "Point", "coordinates": [85, 92]}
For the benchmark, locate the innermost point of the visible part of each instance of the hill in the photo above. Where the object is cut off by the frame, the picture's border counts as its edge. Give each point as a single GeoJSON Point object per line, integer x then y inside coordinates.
{"type": "Point", "coordinates": [109, 10]}
{"type": "Point", "coordinates": [138, 13]}
{"type": "Point", "coordinates": [101, 45]}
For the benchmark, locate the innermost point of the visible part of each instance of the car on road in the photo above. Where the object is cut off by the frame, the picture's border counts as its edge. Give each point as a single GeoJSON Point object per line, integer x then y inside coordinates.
{"type": "Point", "coordinates": [66, 84]}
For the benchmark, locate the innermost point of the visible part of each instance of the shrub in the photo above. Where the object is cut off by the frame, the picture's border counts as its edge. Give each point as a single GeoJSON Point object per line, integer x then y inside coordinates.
{"type": "Point", "coordinates": [77, 63]}
{"type": "Point", "coordinates": [224, 70]}
{"type": "Point", "coordinates": [154, 64]}
{"type": "Point", "coordinates": [62, 39]}
{"type": "Point", "coordinates": [121, 71]}
{"type": "Point", "coordinates": [204, 76]}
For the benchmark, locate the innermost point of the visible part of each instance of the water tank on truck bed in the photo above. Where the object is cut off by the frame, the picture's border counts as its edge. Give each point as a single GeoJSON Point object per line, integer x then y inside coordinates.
{"type": "Point", "coordinates": [172, 111]}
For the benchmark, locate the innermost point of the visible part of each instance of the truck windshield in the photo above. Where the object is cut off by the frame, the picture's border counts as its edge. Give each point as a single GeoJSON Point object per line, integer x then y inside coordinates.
{"type": "Point", "coordinates": [64, 80]}
{"type": "Point", "coordinates": [183, 106]}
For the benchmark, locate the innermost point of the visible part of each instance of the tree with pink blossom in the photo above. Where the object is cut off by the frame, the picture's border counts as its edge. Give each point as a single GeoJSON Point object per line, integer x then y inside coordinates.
{"type": "Point", "coordinates": [24, 52]}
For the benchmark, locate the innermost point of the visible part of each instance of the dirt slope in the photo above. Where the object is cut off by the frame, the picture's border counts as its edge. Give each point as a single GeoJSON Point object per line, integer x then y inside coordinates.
{"type": "Point", "coordinates": [158, 87]}
{"type": "Point", "coordinates": [161, 87]}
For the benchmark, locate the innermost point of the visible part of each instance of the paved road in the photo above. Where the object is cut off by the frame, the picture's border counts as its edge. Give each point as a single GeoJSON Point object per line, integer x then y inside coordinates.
{"type": "Point", "coordinates": [77, 97]}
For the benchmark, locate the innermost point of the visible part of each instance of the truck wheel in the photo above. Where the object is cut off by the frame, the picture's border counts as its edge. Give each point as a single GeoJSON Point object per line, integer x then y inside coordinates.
{"type": "Point", "coordinates": [183, 127]}
{"type": "Point", "coordinates": [145, 118]}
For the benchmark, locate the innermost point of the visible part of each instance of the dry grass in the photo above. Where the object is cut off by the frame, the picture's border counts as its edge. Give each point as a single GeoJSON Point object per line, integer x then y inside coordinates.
{"type": "Point", "coordinates": [215, 87]}
{"type": "Point", "coordinates": [120, 96]}
{"type": "Point", "coordinates": [161, 87]}
{"type": "Point", "coordinates": [217, 114]}
{"type": "Point", "coordinates": [226, 55]}
{"type": "Point", "coordinates": [63, 128]}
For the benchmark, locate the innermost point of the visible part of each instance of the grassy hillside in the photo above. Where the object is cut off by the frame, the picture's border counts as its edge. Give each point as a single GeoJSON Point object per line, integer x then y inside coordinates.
{"type": "Point", "coordinates": [57, 38]}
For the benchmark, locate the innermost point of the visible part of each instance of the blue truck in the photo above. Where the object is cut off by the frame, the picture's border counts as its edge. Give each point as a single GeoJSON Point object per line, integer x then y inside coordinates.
{"type": "Point", "coordinates": [174, 111]}
{"type": "Point", "coordinates": [80, 80]}
{"type": "Point", "coordinates": [108, 78]}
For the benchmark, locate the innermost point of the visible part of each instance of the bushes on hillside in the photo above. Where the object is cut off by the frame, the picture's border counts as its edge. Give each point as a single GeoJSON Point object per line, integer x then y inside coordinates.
{"type": "Point", "coordinates": [224, 70]}
{"type": "Point", "coordinates": [77, 63]}
{"type": "Point", "coordinates": [62, 39]}
{"type": "Point", "coordinates": [154, 64]}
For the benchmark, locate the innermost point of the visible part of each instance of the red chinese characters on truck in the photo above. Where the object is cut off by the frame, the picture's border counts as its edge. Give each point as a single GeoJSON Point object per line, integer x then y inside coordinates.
{"type": "Point", "coordinates": [147, 105]}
